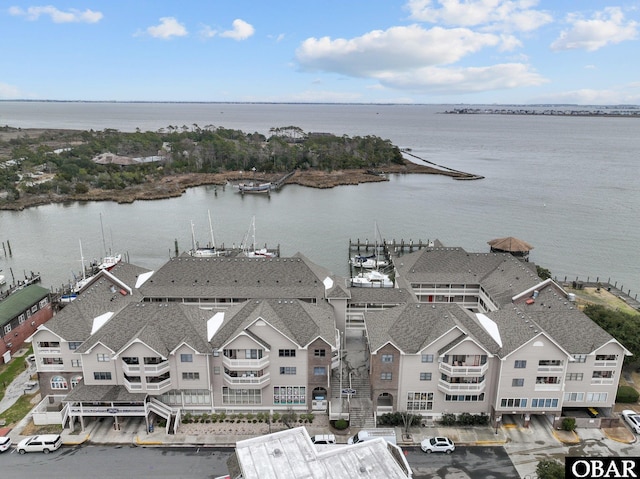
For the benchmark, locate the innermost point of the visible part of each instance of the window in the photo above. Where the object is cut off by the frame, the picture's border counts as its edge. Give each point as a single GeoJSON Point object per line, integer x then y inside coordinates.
{"type": "Point", "coordinates": [216, 370]}
{"type": "Point", "coordinates": [287, 353]}
{"type": "Point", "coordinates": [76, 363]}
{"type": "Point", "coordinates": [191, 376]}
{"type": "Point", "coordinates": [574, 397]}
{"type": "Point", "coordinates": [252, 354]}
{"type": "Point", "coordinates": [549, 362]}
{"type": "Point", "coordinates": [387, 358]}
{"type": "Point", "coordinates": [288, 370]}
{"type": "Point", "coordinates": [319, 353]}
{"type": "Point", "coordinates": [58, 382]}
{"type": "Point", "coordinates": [602, 374]}
{"type": "Point", "coordinates": [7, 328]}
{"type": "Point", "coordinates": [547, 380]}
{"type": "Point", "coordinates": [320, 371]}
{"type": "Point", "coordinates": [606, 357]}
{"type": "Point", "coordinates": [575, 376]}
{"type": "Point", "coordinates": [520, 364]}
{"type": "Point", "coordinates": [596, 397]}
{"type": "Point", "coordinates": [34, 308]}
{"type": "Point", "coordinates": [419, 401]}
{"type": "Point", "coordinates": [289, 395]}
{"type": "Point", "coordinates": [241, 396]}
{"type": "Point", "coordinates": [102, 358]}
{"type": "Point", "coordinates": [544, 403]}
{"type": "Point", "coordinates": [425, 376]}
{"type": "Point", "coordinates": [427, 358]}
{"type": "Point", "coordinates": [21, 319]}
{"type": "Point", "coordinates": [43, 302]}
{"type": "Point", "coordinates": [513, 402]}
{"type": "Point", "coordinates": [73, 345]}
{"type": "Point", "coordinates": [186, 358]}
{"type": "Point", "coordinates": [517, 382]}
{"type": "Point", "coordinates": [386, 376]}
{"type": "Point", "coordinates": [580, 358]}
{"type": "Point", "coordinates": [102, 376]}
{"type": "Point", "coordinates": [464, 397]}
{"type": "Point", "coordinates": [75, 380]}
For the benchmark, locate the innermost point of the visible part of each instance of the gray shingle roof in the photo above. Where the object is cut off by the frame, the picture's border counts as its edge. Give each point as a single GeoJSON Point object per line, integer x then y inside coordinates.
{"type": "Point", "coordinates": [161, 326]}
{"type": "Point", "coordinates": [75, 320]}
{"type": "Point", "coordinates": [239, 278]}
{"type": "Point", "coordinates": [299, 321]}
{"type": "Point", "coordinates": [100, 393]}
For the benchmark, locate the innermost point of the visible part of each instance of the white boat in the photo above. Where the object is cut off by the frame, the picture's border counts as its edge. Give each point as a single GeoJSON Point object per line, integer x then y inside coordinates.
{"type": "Point", "coordinates": [2, 280]}
{"type": "Point", "coordinates": [207, 251]}
{"type": "Point", "coordinates": [249, 250]}
{"type": "Point", "coordinates": [371, 279]}
{"type": "Point", "coordinates": [108, 262]}
{"type": "Point", "coordinates": [368, 262]}
{"type": "Point", "coordinates": [252, 187]}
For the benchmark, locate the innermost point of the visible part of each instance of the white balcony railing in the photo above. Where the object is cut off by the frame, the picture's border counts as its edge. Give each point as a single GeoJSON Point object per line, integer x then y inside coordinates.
{"type": "Point", "coordinates": [159, 386]}
{"type": "Point", "coordinates": [601, 381]}
{"type": "Point", "coordinates": [548, 387]}
{"type": "Point", "coordinates": [458, 388]}
{"type": "Point", "coordinates": [246, 363]}
{"type": "Point", "coordinates": [131, 368]}
{"type": "Point", "coordinates": [248, 380]}
{"type": "Point", "coordinates": [115, 411]}
{"type": "Point", "coordinates": [605, 364]}
{"type": "Point", "coordinates": [133, 386]}
{"type": "Point", "coordinates": [550, 369]}
{"type": "Point", "coordinates": [463, 370]}
{"type": "Point", "coordinates": [51, 367]}
{"type": "Point", "coordinates": [45, 351]}
{"type": "Point", "coordinates": [156, 368]}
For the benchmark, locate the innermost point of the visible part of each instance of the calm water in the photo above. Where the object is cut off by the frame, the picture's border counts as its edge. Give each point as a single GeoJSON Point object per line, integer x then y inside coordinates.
{"type": "Point", "coordinates": [568, 186]}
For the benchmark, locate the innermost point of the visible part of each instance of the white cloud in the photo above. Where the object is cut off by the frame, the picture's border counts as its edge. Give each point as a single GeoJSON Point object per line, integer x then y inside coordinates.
{"type": "Point", "coordinates": [58, 16]}
{"type": "Point", "coordinates": [241, 30]}
{"type": "Point", "coordinates": [438, 80]}
{"type": "Point", "coordinates": [168, 27]}
{"type": "Point", "coordinates": [208, 32]}
{"type": "Point", "coordinates": [508, 14]}
{"type": "Point", "coordinates": [604, 28]}
{"type": "Point", "coordinates": [9, 92]}
{"type": "Point", "coordinates": [398, 48]}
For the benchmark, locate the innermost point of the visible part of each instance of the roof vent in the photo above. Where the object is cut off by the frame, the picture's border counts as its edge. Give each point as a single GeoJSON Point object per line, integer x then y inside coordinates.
{"type": "Point", "coordinates": [277, 452]}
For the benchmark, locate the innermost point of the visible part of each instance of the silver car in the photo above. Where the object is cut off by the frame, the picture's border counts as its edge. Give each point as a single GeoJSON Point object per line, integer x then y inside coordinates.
{"type": "Point", "coordinates": [633, 419]}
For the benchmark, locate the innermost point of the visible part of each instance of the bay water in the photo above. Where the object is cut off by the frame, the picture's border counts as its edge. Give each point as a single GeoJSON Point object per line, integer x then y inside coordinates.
{"type": "Point", "coordinates": [567, 185]}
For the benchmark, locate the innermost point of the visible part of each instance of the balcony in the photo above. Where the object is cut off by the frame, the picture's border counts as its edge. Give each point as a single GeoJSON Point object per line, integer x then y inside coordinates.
{"type": "Point", "coordinates": [463, 370]}
{"type": "Point", "coordinates": [134, 369]}
{"type": "Point", "coordinates": [104, 411]}
{"type": "Point", "coordinates": [602, 381]}
{"type": "Point", "coordinates": [159, 385]}
{"type": "Point", "coordinates": [156, 369]}
{"type": "Point", "coordinates": [606, 364]}
{"type": "Point", "coordinates": [461, 388]}
{"type": "Point", "coordinates": [248, 380]}
{"type": "Point", "coordinates": [246, 363]}
{"type": "Point", "coordinates": [51, 367]}
{"type": "Point", "coordinates": [550, 369]}
{"type": "Point", "coordinates": [133, 386]}
{"type": "Point", "coordinates": [548, 387]}
{"type": "Point", "coordinates": [45, 351]}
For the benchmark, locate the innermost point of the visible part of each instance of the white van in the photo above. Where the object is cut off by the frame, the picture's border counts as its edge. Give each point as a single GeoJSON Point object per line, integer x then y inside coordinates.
{"type": "Point", "coordinates": [42, 443]}
{"type": "Point", "coordinates": [388, 435]}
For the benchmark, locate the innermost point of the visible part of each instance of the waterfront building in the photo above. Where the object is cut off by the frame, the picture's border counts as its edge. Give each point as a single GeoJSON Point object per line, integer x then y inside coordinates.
{"type": "Point", "coordinates": [462, 332]}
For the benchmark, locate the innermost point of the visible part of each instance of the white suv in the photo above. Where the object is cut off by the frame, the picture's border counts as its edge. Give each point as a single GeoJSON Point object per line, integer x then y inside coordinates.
{"type": "Point", "coordinates": [633, 419]}
{"type": "Point", "coordinates": [42, 443]}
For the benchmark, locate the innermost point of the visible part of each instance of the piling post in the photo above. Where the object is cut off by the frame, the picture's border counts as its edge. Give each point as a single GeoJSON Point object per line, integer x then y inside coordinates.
{"type": "Point", "coordinates": [4, 249]}
{"type": "Point", "coordinates": [9, 246]}
{"type": "Point", "coordinates": [176, 246]}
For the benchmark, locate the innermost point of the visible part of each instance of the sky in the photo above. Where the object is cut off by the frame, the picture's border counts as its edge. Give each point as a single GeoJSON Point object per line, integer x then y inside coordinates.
{"type": "Point", "coordinates": [582, 52]}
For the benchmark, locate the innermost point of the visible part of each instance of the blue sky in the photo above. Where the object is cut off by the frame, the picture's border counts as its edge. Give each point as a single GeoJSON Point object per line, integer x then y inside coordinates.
{"type": "Point", "coordinates": [345, 51]}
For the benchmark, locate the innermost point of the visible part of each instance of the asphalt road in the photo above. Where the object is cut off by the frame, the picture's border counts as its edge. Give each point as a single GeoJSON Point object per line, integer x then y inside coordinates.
{"type": "Point", "coordinates": [107, 462]}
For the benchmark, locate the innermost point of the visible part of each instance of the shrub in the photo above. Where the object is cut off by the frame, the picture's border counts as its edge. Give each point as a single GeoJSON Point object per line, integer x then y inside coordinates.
{"type": "Point", "coordinates": [448, 419]}
{"type": "Point", "coordinates": [341, 424]}
{"type": "Point", "coordinates": [627, 394]}
{"type": "Point", "coordinates": [276, 417]}
{"type": "Point", "coordinates": [569, 423]}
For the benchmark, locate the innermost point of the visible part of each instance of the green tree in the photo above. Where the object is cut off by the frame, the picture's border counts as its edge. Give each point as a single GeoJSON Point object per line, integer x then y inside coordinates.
{"type": "Point", "coordinates": [550, 469]}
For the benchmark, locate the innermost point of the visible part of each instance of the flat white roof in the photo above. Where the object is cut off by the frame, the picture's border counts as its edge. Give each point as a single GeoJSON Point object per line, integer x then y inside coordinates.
{"type": "Point", "coordinates": [290, 454]}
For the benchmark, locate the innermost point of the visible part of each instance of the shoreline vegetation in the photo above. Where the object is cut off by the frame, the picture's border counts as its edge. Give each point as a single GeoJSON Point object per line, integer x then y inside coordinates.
{"type": "Point", "coordinates": [45, 166]}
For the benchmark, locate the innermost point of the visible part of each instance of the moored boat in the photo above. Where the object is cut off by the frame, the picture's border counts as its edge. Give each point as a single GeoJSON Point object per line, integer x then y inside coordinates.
{"type": "Point", "coordinates": [371, 279]}
{"type": "Point", "coordinates": [368, 262]}
{"type": "Point", "coordinates": [252, 187]}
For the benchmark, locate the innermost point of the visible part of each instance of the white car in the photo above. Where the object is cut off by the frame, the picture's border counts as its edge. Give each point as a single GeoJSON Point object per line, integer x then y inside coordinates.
{"type": "Point", "coordinates": [323, 439]}
{"type": "Point", "coordinates": [633, 419]}
{"type": "Point", "coordinates": [5, 443]}
{"type": "Point", "coordinates": [42, 443]}
{"type": "Point", "coordinates": [438, 444]}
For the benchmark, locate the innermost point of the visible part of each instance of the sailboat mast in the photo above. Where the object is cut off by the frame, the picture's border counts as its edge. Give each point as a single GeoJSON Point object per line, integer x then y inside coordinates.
{"type": "Point", "coordinates": [213, 241]}
{"type": "Point", "coordinates": [104, 244]}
